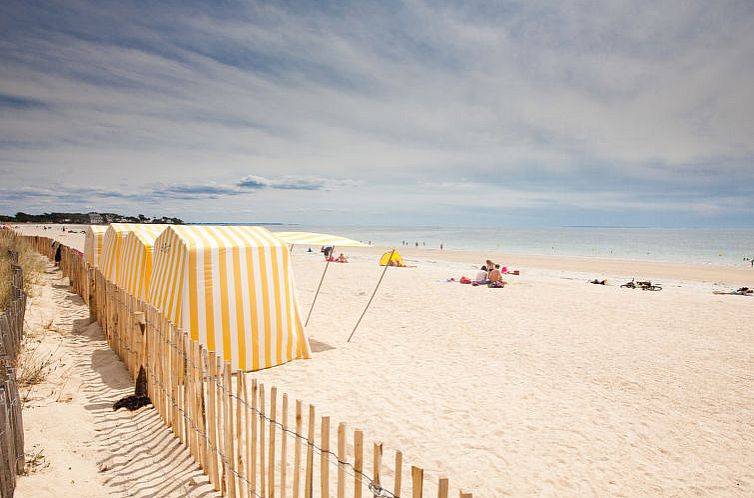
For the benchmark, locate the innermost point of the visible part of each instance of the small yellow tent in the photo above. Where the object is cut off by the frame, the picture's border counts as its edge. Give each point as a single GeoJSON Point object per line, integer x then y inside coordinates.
{"type": "Point", "coordinates": [396, 258]}
{"type": "Point", "coordinates": [112, 251]}
{"type": "Point", "coordinates": [136, 262]}
{"type": "Point", "coordinates": [95, 235]}
{"type": "Point", "coordinates": [231, 288]}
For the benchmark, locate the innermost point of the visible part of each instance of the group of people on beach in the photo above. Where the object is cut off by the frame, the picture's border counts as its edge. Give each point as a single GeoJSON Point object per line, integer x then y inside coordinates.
{"type": "Point", "coordinates": [328, 252]}
{"type": "Point", "coordinates": [489, 274]}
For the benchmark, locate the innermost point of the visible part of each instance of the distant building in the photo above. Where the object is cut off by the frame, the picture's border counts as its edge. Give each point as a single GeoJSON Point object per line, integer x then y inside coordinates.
{"type": "Point", "coordinates": [95, 219]}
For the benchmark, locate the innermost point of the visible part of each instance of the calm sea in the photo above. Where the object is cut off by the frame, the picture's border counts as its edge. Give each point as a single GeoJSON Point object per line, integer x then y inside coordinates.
{"type": "Point", "coordinates": [705, 246]}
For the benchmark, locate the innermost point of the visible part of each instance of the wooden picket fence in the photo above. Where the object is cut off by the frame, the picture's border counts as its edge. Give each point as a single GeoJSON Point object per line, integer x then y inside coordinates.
{"type": "Point", "coordinates": [12, 459]}
{"type": "Point", "coordinates": [248, 440]}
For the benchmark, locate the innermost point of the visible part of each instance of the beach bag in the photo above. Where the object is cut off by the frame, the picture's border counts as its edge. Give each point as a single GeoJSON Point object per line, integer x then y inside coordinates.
{"type": "Point", "coordinates": [465, 280]}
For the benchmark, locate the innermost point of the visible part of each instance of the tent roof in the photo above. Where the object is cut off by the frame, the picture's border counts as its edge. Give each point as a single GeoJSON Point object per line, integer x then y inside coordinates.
{"type": "Point", "coordinates": [146, 237]}
{"type": "Point", "coordinates": [148, 228]}
{"type": "Point", "coordinates": [201, 236]}
{"type": "Point", "coordinates": [98, 228]}
{"type": "Point", "coordinates": [317, 239]}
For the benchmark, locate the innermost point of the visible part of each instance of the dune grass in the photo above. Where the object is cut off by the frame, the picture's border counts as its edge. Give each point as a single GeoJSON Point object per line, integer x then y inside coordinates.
{"type": "Point", "coordinates": [31, 261]}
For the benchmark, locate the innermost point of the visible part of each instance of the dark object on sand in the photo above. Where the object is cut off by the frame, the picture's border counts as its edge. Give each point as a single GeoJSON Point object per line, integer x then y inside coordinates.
{"type": "Point", "coordinates": [647, 285]}
{"type": "Point", "coordinates": [132, 402]}
{"type": "Point", "coordinates": [139, 398]}
{"type": "Point", "coordinates": [56, 246]}
{"type": "Point", "coordinates": [598, 282]}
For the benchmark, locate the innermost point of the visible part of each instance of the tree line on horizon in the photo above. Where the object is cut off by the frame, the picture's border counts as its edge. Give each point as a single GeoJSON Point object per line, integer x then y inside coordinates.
{"type": "Point", "coordinates": [86, 218]}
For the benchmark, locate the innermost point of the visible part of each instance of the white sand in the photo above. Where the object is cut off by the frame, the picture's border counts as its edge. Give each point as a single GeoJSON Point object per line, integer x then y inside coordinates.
{"type": "Point", "coordinates": [551, 386]}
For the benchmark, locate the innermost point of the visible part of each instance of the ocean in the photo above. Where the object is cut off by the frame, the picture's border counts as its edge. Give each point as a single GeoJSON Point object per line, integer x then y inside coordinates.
{"type": "Point", "coordinates": [698, 246]}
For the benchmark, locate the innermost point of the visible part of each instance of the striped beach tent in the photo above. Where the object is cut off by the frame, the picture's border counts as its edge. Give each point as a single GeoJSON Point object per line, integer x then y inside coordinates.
{"type": "Point", "coordinates": [112, 250]}
{"type": "Point", "coordinates": [136, 260]}
{"type": "Point", "coordinates": [231, 288]}
{"type": "Point", "coordinates": [95, 236]}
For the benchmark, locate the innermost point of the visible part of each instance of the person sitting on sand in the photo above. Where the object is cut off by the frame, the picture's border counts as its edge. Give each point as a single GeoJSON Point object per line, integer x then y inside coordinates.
{"type": "Point", "coordinates": [481, 276]}
{"type": "Point", "coordinates": [341, 259]}
{"type": "Point", "coordinates": [494, 275]}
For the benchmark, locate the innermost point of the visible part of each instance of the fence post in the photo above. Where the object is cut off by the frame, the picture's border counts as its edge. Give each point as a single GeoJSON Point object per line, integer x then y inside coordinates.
{"type": "Point", "coordinates": [271, 459]}
{"type": "Point", "coordinates": [283, 446]}
{"type": "Point", "coordinates": [358, 451]}
{"type": "Point", "coordinates": [297, 452]}
{"type": "Point", "coordinates": [7, 450]}
{"type": "Point", "coordinates": [341, 460]}
{"type": "Point", "coordinates": [398, 473]}
{"type": "Point", "coordinates": [417, 482]}
{"type": "Point", "coordinates": [442, 488]}
{"type": "Point", "coordinates": [91, 294]}
{"type": "Point", "coordinates": [324, 466]}
{"type": "Point", "coordinates": [308, 484]}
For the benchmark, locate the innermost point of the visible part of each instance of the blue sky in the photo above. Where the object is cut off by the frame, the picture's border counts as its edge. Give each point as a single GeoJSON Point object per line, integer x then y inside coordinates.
{"type": "Point", "coordinates": [443, 113]}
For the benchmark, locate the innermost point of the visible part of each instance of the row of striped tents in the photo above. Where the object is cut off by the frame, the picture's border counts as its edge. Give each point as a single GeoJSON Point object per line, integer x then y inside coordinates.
{"type": "Point", "coordinates": [231, 288]}
{"type": "Point", "coordinates": [95, 235]}
{"type": "Point", "coordinates": [112, 251]}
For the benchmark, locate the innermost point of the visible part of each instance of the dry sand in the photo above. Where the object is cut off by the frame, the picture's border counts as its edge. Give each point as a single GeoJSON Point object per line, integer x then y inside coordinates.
{"type": "Point", "coordinates": [550, 386]}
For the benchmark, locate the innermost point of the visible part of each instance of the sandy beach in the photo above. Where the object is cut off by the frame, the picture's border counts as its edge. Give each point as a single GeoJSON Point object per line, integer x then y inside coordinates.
{"type": "Point", "coordinates": [550, 386]}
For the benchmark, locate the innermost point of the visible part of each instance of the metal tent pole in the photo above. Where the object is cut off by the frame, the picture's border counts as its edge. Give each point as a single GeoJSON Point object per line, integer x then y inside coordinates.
{"type": "Point", "coordinates": [373, 293]}
{"type": "Point", "coordinates": [327, 265]}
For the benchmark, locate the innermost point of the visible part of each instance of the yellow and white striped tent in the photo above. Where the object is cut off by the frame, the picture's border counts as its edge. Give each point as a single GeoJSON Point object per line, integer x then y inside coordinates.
{"type": "Point", "coordinates": [231, 288]}
{"type": "Point", "coordinates": [112, 251]}
{"type": "Point", "coordinates": [136, 261]}
{"type": "Point", "coordinates": [316, 239]}
{"type": "Point", "coordinates": [95, 235]}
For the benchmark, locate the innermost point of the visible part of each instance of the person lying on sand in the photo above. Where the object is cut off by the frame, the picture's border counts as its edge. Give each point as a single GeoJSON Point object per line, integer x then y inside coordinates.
{"type": "Point", "coordinates": [743, 291]}
{"type": "Point", "coordinates": [598, 282]}
{"type": "Point", "coordinates": [341, 259]}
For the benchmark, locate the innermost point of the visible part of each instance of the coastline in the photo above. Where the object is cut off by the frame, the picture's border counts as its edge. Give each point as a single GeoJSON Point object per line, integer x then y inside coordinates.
{"type": "Point", "coordinates": [615, 270]}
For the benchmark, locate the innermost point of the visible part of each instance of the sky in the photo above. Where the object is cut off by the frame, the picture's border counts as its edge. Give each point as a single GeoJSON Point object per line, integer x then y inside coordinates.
{"type": "Point", "coordinates": [510, 113]}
